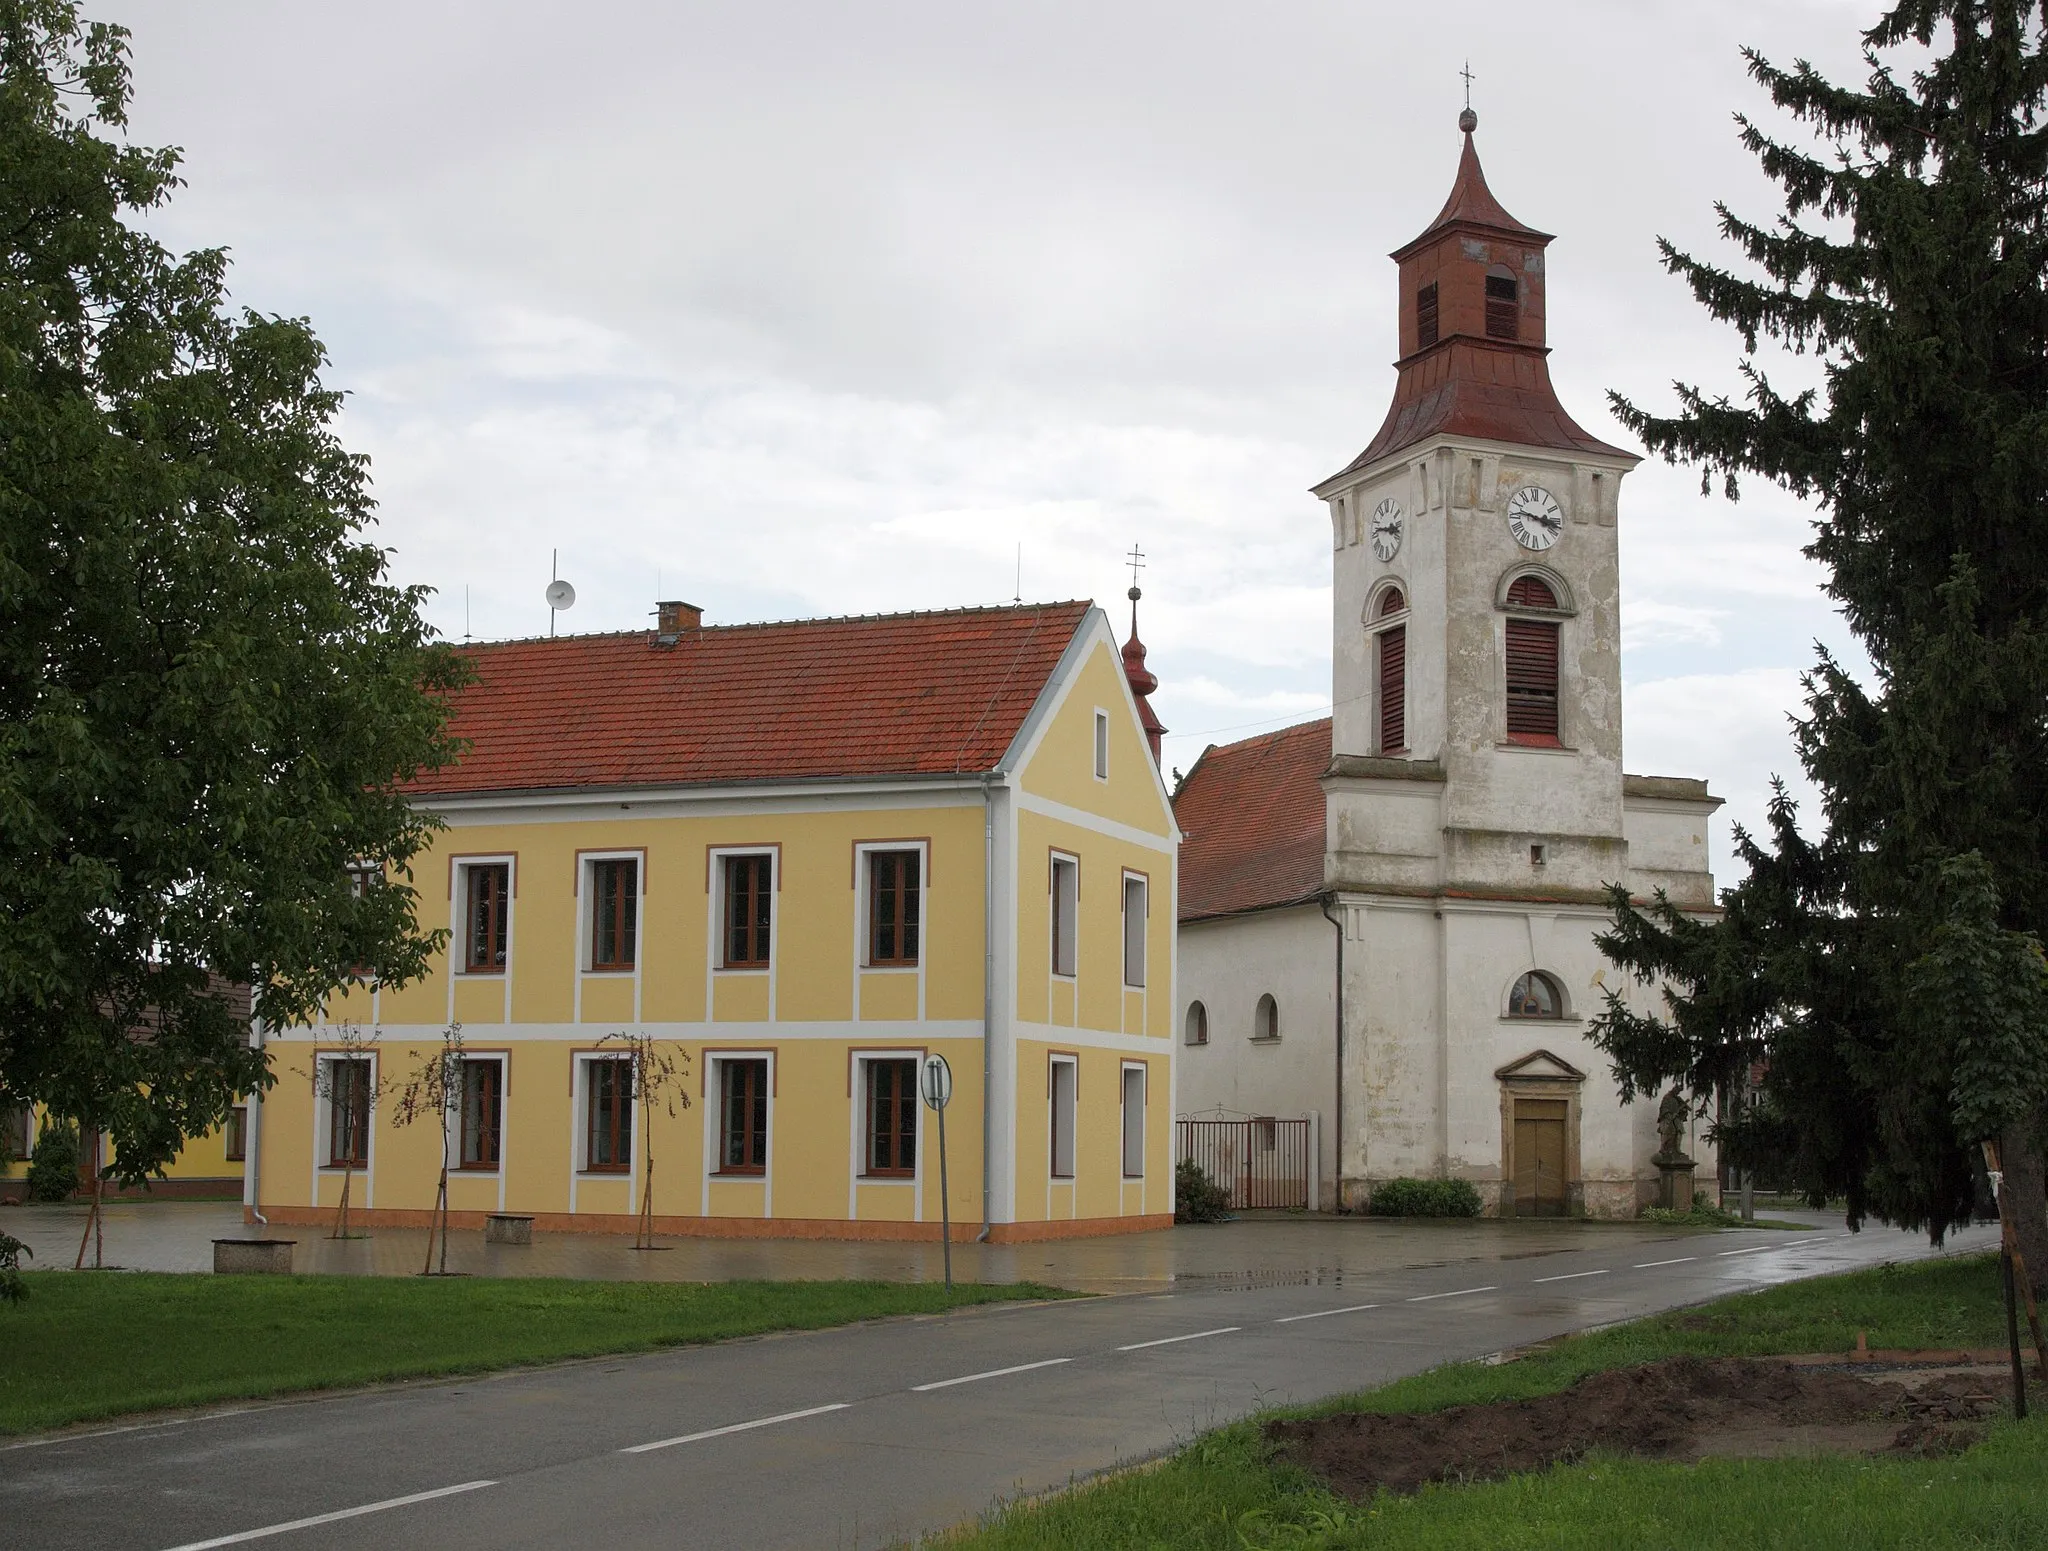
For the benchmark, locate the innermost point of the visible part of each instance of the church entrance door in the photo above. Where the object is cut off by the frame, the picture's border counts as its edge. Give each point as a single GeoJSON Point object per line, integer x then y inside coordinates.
{"type": "Point", "coordinates": [1540, 1189]}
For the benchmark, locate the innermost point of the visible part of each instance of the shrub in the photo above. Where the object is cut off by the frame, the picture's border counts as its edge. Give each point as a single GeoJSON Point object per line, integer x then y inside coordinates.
{"type": "Point", "coordinates": [12, 1288]}
{"type": "Point", "coordinates": [53, 1169]}
{"type": "Point", "coordinates": [1196, 1197]}
{"type": "Point", "coordinates": [1425, 1198]}
{"type": "Point", "coordinates": [1704, 1214]}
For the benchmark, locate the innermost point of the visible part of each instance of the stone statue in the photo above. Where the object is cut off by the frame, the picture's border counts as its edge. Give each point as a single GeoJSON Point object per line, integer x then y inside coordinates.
{"type": "Point", "coordinates": [1672, 1116]}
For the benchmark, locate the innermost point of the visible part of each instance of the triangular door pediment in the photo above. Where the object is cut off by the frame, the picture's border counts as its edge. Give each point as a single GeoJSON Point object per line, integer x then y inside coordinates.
{"type": "Point", "coordinates": [1541, 1065]}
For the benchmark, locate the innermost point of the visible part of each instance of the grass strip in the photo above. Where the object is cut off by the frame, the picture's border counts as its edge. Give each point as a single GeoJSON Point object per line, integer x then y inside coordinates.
{"type": "Point", "coordinates": [89, 1346]}
{"type": "Point", "coordinates": [1225, 1491]}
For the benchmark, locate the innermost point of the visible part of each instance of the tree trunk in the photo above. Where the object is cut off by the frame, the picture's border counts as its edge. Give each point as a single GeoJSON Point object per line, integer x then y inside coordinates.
{"type": "Point", "coordinates": [2026, 1185]}
{"type": "Point", "coordinates": [341, 1209]}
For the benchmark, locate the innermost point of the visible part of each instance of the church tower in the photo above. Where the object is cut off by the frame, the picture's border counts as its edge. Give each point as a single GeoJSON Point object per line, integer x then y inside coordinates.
{"type": "Point", "coordinates": [1477, 629]}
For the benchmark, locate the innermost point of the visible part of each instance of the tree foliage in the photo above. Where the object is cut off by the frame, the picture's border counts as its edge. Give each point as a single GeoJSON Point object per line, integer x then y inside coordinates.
{"type": "Point", "coordinates": [210, 693]}
{"type": "Point", "coordinates": [1889, 971]}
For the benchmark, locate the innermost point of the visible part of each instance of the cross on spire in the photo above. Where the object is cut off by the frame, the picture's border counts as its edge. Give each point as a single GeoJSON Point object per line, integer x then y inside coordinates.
{"type": "Point", "coordinates": [1467, 74]}
{"type": "Point", "coordinates": [1136, 561]}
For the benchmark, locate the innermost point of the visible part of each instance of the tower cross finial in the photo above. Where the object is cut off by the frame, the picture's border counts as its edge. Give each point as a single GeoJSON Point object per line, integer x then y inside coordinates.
{"type": "Point", "coordinates": [1136, 561]}
{"type": "Point", "coordinates": [1467, 74]}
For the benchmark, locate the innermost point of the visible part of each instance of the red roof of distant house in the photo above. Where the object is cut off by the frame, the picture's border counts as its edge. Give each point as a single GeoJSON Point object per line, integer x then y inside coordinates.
{"type": "Point", "coordinates": [1252, 821]}
{"type": "Point", "coordinates": [876, 695]}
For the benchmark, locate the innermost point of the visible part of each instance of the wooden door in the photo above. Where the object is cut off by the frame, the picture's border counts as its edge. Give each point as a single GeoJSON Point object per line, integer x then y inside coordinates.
{"type": "Point", "coordinates": [1540, 1157]}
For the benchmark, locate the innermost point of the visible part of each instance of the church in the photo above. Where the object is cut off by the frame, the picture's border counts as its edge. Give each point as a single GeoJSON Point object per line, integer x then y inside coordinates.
{"type": "Point", "coordinates": [1387, 917]}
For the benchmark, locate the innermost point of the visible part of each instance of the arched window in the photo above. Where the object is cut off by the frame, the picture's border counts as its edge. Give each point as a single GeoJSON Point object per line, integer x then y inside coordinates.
{"type": "Point", "coordinates": [1503, 304]}
{"type": "Point", "coordinates": [1266, 1018]}
{"type": "Point", "coordinates": [1198, 1024]}
{"type": "Point", "coordinates": [1390, 646]}
{"type": "Point", "coordinates": [1532, 665]}
{"type": "Point", "coordinates": [1425, 316]}
{"type": "Point", "coordinates": [1535, 996]}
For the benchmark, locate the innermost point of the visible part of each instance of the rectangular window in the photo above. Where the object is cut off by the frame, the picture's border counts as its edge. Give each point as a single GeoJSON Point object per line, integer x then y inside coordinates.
{"type": "Point", "coordinates": [1134, 1122]}
{"type": "Point", "coordinates": [17, 1131]}
{"type": "Point", "coordinates": [1393, 646]}
{"type": "Point", "coordinates": [743, 1117]}
{"type": "Point", "coordinates": [348, 1112]}
{"type": "Point", "coordinates": [483, 1113]}
{"type": "Point", "coordinates": [1134, 931]}
{"type": "Point", "coordinates": [1066, 1087]}
{"type": "Point", "coordinates": [614, 912]}
{"type": "Point", "coordinates": [749, 907]}
{"type": "Point", "coordinates": [1425, 316]}
{"type": "Point", "coordinates": [235, 1135]}
{"type": "Point", "coordinates": [1502, 313]}
{"type": "Point", "coordinates": [1066, 900]}
{"type": "Point", "coordinates": [608, 1115]}
{"type": "Point", "coordinates": [1102, 745]}
{"type": "Point", "coordinates": [1532, 681]}
{"type": "Point", "coordinates": [891, 1119]}
{"type": "Point", "coordinates": [486, 917]}
{"type": "Point", "coordinates": [894, 907]}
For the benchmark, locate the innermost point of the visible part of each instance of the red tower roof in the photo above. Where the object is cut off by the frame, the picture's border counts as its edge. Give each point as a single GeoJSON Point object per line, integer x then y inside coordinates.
{"type": "Point", "coordinates": [1142, 681]}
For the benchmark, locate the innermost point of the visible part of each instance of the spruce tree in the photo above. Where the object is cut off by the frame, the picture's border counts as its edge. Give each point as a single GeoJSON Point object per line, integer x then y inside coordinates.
{"type": "Point", "coordinates": [1889, 972]}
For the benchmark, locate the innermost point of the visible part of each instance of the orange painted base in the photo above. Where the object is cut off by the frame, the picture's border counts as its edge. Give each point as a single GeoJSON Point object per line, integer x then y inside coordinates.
{"type": "Point", "coordinates": [731, 1227]}
{"type": "Point", "coordinates": [226, 1188]}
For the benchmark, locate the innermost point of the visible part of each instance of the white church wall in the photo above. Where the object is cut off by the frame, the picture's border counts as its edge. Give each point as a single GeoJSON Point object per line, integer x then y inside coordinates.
{"type": "Point", "coordinates": [1667, 839]}
{"type": "Point", "coordinates": [1227, 965]}
{"type": "Point", "coordinates": [1394, 1078]}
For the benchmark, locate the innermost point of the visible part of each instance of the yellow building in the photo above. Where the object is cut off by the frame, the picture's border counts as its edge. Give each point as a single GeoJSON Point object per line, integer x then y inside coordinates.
{"type": "Point", "coordinates": [800, 857]}
{"type": "Point", "coordinates": [207, 1168]}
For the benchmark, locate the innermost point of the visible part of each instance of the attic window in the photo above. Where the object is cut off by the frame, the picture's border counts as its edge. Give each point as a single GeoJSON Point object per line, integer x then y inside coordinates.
{"type": "Point", "coordinates": [1503, 313]}
{"type": "Point", "coordinates": [1425, 316]}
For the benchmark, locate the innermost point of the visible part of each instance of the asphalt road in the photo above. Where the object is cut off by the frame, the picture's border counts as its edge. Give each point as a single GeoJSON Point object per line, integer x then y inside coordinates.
{"type": "Point", "coordinates": [857, 1437]}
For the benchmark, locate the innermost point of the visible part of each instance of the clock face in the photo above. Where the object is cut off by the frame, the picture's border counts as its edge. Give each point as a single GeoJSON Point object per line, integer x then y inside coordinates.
{"type": "Point", "coordinates": [1388, 524]}
{"type": "Point", "coordinates": [1534, 517]}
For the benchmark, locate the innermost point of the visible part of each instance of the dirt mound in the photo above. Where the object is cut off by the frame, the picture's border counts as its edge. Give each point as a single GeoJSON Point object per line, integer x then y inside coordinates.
{"type": "Point", "coordinates": [1680, 1408]}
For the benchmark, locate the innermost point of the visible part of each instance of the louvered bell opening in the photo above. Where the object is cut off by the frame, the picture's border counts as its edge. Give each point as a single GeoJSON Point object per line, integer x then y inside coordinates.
{"type": "Point", "coordinates": [1503, 314]}
{"type": "Point", "coordinates": [1425, 316]}
{"type": "Point", "coordinates": [1394, 689]}
{"type": "Point", "coordinates": [1531, 592]}
{"type": "Point", "coordinates": [1532, 681]}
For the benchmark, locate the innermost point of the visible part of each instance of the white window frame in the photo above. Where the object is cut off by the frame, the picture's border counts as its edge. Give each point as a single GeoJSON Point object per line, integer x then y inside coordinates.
{"type": "Point", "coordinates": [860, 1179]}
{"type": "Point", "coordinates": [720, 896]}
{"type": "Point", "coordinates": [1101, 749]}
{"type": "Point", "coordinates": [323, 1114]}
{"type": "Point", "coordinates": [1055, 1099]}
{"type": "Point", "coordinates": [864, 853]}
{"type": "Point", "coordinates": [454, 1118]}
{"type": "Point", "coordinates": [1142, 924]}
{"type": "Point", "coordinates": [1142, 1072]}
{"type": "Point", "coordinates": [580, 1120]}
{"type": "Point", "coordinates": [586, 912]}
{"type": "Point", "coordinates": [715, 1062]}
{"type": "Point", "coordinates": [459, 957]}
{"type": "Point", "coordinates": [1068, 863]}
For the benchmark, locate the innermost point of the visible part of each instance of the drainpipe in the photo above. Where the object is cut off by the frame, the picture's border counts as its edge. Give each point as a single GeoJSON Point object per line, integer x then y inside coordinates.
{"type": "Point", "coordinates": [988, 997]}
{"type": "Point", "coordinates": [1337, 1119]}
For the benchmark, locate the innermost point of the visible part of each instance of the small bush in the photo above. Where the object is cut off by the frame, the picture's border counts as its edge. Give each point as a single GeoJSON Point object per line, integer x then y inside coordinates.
{"type": "Point", "coordinates": [12, 1288]}
{"type": "Point", "coordinates": [1704, 1214]}
{"type": "Point", "coordinates": [53, 1169]}
{"type": "Point", "coordinates": [1196, 1197]}
{"type": "Point", "coordinates": [1425, 1198]}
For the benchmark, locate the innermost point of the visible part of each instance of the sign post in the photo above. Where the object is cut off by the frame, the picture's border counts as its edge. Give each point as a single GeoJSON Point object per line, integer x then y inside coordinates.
{"type": "Point", "coordinates": [935, 1083]}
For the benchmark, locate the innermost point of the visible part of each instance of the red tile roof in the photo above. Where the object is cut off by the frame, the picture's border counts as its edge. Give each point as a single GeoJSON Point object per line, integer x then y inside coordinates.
{"type": "Point", "coordinates": [1251, 815]}
{"type": "Point", "coordinates": [877, 695]}
{"type": "Point", "coordinates": [1472, 203]}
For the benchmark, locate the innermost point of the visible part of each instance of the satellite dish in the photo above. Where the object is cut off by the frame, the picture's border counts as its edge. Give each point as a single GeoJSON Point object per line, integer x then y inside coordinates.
{"type": "Point", "coordinates": [561, 596]}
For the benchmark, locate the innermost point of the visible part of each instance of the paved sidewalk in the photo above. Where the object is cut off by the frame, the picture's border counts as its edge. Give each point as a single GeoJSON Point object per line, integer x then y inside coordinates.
{"type": "Point", "coordinates": [1280, 1250]}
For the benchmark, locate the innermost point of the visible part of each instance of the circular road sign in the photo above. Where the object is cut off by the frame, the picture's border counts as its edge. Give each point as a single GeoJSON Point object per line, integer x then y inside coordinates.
{"type": "Point", "coordinates": [935, 1081]}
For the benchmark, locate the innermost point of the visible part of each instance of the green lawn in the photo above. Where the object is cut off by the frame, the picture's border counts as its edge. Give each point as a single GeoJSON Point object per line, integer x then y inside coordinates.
{"type": "Point", "coordinates": [1223, 1491]}
{"type": "Point", "coordinates": [85, 1346]}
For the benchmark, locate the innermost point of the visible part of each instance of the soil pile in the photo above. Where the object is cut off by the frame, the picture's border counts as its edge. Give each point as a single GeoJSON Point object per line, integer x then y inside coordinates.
{"type": "Point", "coordinates": [1680, 1408]}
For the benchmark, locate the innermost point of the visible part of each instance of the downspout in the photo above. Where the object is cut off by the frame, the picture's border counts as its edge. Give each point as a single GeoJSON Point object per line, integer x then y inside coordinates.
{"type": "Point", "coordinates": [988, 997]}
{"type": "Point", "coordinates": [1337, 1118]}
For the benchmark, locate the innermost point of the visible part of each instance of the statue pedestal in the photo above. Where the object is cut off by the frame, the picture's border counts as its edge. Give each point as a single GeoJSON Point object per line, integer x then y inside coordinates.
{"type": "Point", "coordinates": [1674, 1184]}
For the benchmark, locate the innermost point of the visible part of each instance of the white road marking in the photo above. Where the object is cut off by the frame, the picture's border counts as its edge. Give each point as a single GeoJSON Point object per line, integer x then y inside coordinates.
{"type": "Point", "coordinates": [1570, 1276]}
{"type": "Point", "coordinates": [993, 1373]}
{"type": "Point", "coordinates": [1356, 1308]}
{"type": "Point", "coordinates": [330, 1518]}
{"type": "Point", "coordinates": [1651, 1265]}
{"type": "Point", "coordinates": [1460, 1293]}
{"type": "Point", "coordinates": [1721, 1253]}
{"type": "Point", "coordinates": [736, 1427]}
{"type": "Point", "coordinates": [1139, 1346]}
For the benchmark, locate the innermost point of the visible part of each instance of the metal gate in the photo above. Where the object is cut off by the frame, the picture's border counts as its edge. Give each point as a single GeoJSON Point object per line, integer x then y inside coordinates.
{"type": "Point", "coordinates": [1261, 1161]}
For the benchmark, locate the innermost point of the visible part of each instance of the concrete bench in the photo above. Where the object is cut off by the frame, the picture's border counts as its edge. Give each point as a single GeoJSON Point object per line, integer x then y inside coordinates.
{"type": "Point", "coordinates": [504, 1228]}
{"type": "Point", "coordinates": [248, 1257]}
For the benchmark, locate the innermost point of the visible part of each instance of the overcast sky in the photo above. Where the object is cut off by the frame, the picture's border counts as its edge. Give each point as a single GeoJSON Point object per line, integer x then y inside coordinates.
{"type": "Point", "coordinates": [827, 308]}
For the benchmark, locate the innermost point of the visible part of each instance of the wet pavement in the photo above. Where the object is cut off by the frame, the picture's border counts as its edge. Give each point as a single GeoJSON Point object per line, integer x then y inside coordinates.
{"type": "Point", "coordinates": [1258, 1250]}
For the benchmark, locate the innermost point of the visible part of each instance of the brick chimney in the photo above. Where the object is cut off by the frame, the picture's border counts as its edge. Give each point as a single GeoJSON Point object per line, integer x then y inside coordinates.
{"type": "Point", "coordinates": [674, 619]}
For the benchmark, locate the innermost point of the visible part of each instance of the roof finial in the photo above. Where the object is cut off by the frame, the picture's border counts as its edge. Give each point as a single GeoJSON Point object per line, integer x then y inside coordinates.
{"type": "Point", "coordinates": [1136, 561]}
{"type": "Point", "coordinates": [1468, 120]}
